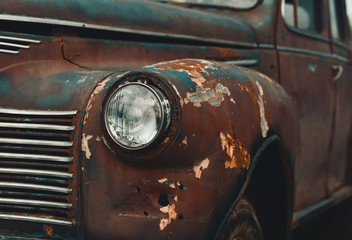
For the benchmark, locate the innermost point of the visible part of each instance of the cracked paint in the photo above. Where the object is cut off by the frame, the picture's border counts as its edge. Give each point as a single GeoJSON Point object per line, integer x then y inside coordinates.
{"type": "Point", "coordinates": [239, 156]}
{"type": "Point", "coordinates": [170, 209]}
{"type": "Point", "coordinates": [263, 121]}
{"type": "Point", "coordinates": [85, 147]}
{"type": "Point", "coordinates": [198, 168]}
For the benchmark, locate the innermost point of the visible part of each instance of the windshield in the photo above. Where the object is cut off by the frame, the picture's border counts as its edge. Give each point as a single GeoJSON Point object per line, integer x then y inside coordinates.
{"type": "Point", "coordinates": [239, 4]}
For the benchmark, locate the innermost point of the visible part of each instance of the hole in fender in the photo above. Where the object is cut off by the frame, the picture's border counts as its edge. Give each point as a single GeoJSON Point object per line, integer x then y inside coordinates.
{"type": "Point", "coordinates": [163, 200]}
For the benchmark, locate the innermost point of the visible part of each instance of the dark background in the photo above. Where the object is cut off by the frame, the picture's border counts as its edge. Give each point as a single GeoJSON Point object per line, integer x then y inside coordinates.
{"type": "Point", "coordinates": [334, 224]}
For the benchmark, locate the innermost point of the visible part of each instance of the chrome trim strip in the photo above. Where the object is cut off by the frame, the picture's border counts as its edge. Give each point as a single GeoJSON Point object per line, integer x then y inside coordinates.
{"type": "Point", "coordinates": [37, 112]}
{"type": "Point", "coordinates": [21, 141]}
{"type": "Point", "coordinates": [39, 203]}
{"type": "Point", "coordinates": [266, 46]}
{"type": "Point", "coordinates": [315, 53]}
{"type": "Point", "coordinates": [304, 51]}
{"type": "Point", "coordinates": [35, 219]}
{"type": "Point", "coordinates": [36, 157]}
{"type": "Point", "coordinates": [36, 126]}
{"type": "Point", "coordinates": [36, 172]}
{"type": "Point", "coordinates": [20, 39]}
{"type": "Point", "coordinates": [14, 45]}
{"type": "Point", "coordinates": [340, 58]}
{"type": "Point", "coordinates": [9, 51]}
{"type": "Point", "coordinates": [247, 62]}
{"type": "Point", "coordinates": [37, 187]}
{"type": "Point", "coordinates": [124, 30]}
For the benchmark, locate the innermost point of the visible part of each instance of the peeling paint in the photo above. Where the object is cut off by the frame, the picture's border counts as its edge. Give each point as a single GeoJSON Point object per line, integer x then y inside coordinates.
{"type": "Point", "coordinates": [85, 147]}
{"type": "Point", "coordinates": [100, 86]}
{"type": "Point", "coordinates": [170, 209]}
{"type": "Point", "coordinates": [232, 100]}
{"type": "Point", "coordinates": [198, 168]}
{"type": "Point", "coordinates": [162, 180]}
{"type": "Point", "coordinates": [98, 139]}
{"type": "Point", "coordinates": [184, 141]}
{"type": "Point", "coordinates": [263, 121]}
{"type": "Point", "coordinates": [213, 96]}
{"type": "Point", "coordinates": [178, 94]}
{"type": "Point", "coordinates": [239, 156]}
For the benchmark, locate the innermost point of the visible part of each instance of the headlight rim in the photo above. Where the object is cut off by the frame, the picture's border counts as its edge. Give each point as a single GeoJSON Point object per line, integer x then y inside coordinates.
{"type": "Point", "coordinates": [165, 140]}
{"type": "Point", "coordinates": [161, 101]}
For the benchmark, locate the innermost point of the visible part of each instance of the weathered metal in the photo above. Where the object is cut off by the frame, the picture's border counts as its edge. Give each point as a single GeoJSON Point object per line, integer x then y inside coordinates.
{"type": "Point", "coordinates": [63, 177]}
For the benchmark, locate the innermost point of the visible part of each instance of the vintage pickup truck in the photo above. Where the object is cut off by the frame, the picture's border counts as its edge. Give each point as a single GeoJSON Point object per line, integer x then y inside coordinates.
{"type": "Point", "coordinates": [172, 119]}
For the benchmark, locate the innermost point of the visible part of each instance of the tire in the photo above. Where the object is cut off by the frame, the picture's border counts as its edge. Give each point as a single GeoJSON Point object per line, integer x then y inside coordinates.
{"type": "Point", "coordinates": [242, 224]}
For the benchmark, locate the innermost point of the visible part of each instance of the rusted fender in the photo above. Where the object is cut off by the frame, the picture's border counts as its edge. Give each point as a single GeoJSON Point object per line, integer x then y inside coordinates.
{"type": "Point", "coordinates": [227, 113]}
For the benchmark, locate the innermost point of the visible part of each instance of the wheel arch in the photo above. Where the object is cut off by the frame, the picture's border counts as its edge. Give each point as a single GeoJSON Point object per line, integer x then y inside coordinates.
{"type": "Point", "coordinates": [269, 187]}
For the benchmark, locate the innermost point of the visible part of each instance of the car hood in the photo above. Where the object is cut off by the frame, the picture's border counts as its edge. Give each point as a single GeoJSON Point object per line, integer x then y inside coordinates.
{"type": "Point", "coordinates": [136, 16]}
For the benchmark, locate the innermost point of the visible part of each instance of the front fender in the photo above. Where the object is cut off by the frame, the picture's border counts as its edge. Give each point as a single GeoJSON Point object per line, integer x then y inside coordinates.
{"type": "Point", "coordinates": [227, 114]}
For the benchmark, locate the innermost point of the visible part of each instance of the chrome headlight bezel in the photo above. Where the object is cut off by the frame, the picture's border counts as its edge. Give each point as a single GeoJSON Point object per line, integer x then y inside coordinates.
{"type": "Point", "coordinates": [165, 114]}
{"type": "Point", "coordinates": [169, 102]}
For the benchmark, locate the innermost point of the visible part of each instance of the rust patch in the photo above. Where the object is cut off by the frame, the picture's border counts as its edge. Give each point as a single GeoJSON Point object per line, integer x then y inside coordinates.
{"type": "Point", "coordinates": [239, 156]}
{"type": "Point", "coordinates": [170, 209]}
{"type": "Point", "coordinates": [85, 147]}
{"type": "Point", "coordinates": [49, 230]}
{"type": "Point", "coordinates": [198, 168]}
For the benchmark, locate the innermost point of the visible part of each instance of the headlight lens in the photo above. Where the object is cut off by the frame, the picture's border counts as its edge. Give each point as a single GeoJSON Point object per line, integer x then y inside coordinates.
{"type": "Point", "coordinates": [136, 114]}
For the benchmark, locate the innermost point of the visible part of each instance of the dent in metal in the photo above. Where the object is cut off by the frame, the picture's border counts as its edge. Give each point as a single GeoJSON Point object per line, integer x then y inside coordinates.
{"type": "Point", "coordinates": [239, 156]}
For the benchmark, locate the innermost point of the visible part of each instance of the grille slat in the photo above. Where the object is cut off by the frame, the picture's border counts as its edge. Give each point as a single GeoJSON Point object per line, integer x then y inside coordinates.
{"type": "Point", "coordinates": [12, 45]}
{"type": "Point", "coordinates": [37, 187]}
{"type": "Point", "coordinates": [36, 157]}
{"type": "Point", "coordinates": [36, 165]}
{"type": "Point", "coordinates": [22, 141]}
{"type": "Point", "coordinates": [36, 126]}
{"type": "Point", "coordinates": [35, 203]}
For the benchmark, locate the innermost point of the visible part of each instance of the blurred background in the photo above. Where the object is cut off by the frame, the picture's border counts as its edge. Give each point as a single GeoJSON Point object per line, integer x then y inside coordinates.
{"type": "Point", "coordinates": [335, 224]}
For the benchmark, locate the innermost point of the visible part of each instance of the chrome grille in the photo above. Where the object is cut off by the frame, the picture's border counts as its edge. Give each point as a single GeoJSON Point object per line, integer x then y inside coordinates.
{"type": "Point", "coordinates": [36, 166]}
{"type": "Point", "coordinates": [13, 45]}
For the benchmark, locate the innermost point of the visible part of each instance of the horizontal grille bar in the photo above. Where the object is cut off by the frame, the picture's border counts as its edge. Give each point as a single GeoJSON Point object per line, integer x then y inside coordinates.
{"type": "Point", "coordinates": [14, 45]}
{"type": "Point", "coordinates": [37, 187]}
{"type": "Point", "coordinates": [9, 51]}
{"type": "Point", "coordinates": [20, 39]}
{"type": "Point", "coordinates": [36, 172]}
{"type": "Point", "coordinates": [37, 112]}
{"type": "Point", "coordinates": [36, 157]}
{"type": "Point", "coordinates": [35, 203]}
{"type": "Point", "coordinates": [35, 219]}
{"type": "Point", "coordinates": [35, 142]}
{"type": "Point", "coordinates": [36, 126]}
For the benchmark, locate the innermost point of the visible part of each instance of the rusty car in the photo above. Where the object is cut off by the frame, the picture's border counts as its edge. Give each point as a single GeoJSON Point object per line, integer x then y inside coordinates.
{"type": "Point", "coordinates": [172, 119]}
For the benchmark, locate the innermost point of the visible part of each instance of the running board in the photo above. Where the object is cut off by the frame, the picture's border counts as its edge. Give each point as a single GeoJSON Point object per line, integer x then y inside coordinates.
{"type": "Point", "coordinates": [304, 215]}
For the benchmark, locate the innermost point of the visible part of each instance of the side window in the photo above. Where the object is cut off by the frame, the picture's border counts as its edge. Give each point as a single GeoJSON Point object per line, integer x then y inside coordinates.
{"type": "Point", "coordinates": [349, 15]}
{"type": "Point", "coordinates": [337, 19]}
{"type": "Point", "coordinates": [303, 14]}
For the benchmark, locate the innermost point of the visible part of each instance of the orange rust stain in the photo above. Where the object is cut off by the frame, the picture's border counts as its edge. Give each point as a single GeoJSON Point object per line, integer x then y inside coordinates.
{"type": "Point", "coordinates": [239, 156]}
{"type": "Point", "coordinates": [49, 230]}
{"type": "Point", "coordinates": [240, 87]}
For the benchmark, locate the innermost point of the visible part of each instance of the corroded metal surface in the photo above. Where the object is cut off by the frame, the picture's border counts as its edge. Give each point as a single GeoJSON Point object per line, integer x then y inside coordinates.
{"type": "Point", "coordinates": [65, 58]}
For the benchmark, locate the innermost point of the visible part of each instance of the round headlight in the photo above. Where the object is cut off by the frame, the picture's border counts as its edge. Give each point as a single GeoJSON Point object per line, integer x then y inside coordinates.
{"type": "Point", "coordinates": [136, 114]}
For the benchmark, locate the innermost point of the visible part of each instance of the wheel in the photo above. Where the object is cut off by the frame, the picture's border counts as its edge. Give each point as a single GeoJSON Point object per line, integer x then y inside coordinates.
{"type": "Point", "coordinates": [242, 224]}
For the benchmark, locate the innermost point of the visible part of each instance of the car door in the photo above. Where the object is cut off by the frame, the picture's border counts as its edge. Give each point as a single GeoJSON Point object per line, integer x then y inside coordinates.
{"type": "Point", "coordinates": [341, 47]}
{"type": "Point", "coordinates": [306, 74]}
